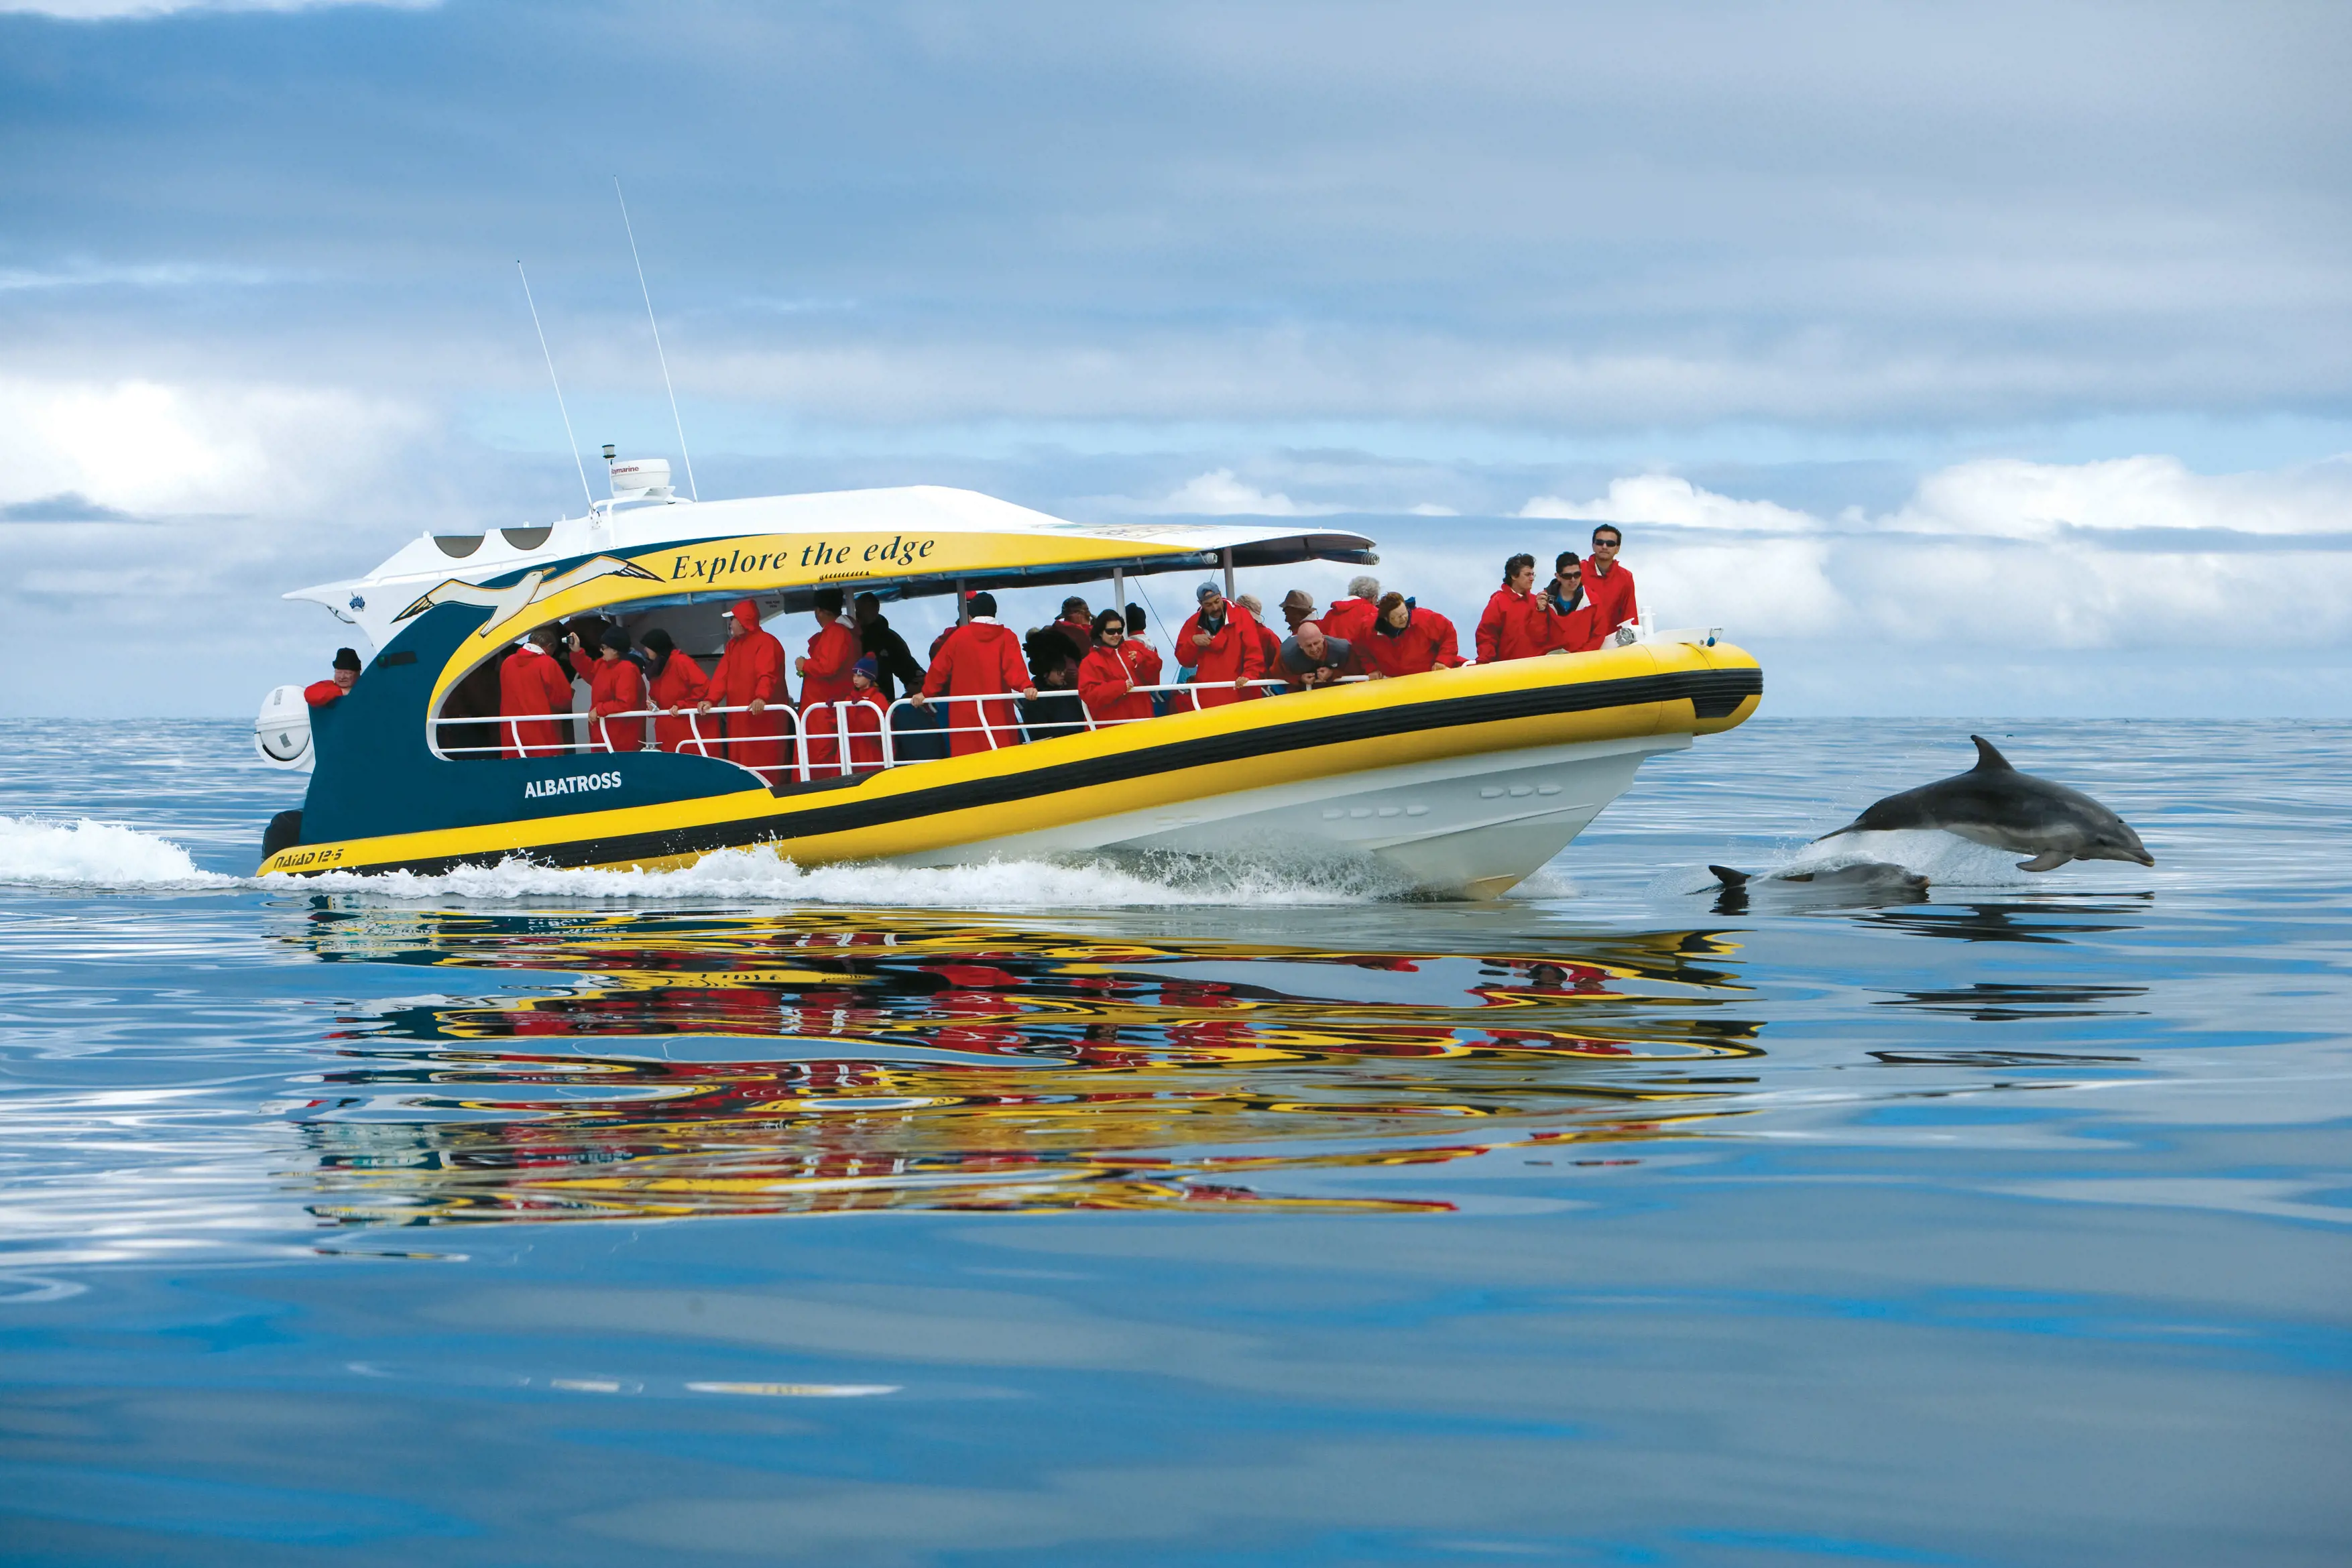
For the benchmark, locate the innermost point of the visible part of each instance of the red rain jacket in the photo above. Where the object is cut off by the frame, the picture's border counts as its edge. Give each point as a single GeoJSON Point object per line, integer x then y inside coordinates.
{"type": "Point", "coordinates": [680, 686]}
{"type": "Point", "coordinates": [1515, 626]}
{"type": "Point", "coordinates": [1236, 651]}
{"type": "Point", "coordinates": [1426, 642]}
{"type": "Point", "coordinates": [1349, 620]}
{"type": "Point", "coordinates": [1147, 672]}
{"type": "Point", "coordinates": [617, 686]}
{"type": "Point", "coordinates": [979, 658]}
{"type": "Point", "coordinates": [319, 694]}
{"type": "Point", "coordinates": [1610, 598]}
{"type": "Point", "coordinates": [751, 669]}
{"type": "Point", "coordinates": [832, 652]}
{"type": "Point", "coordinates": [1578, 630]}
{"type": "Point", "coordinates": [530, 681]}
{"type": "Point", "coordinates": [1105, 676]}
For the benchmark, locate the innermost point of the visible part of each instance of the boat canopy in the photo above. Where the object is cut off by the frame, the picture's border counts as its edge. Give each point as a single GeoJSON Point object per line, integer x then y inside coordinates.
{"type": "Point", "coordinates": [901, 543]}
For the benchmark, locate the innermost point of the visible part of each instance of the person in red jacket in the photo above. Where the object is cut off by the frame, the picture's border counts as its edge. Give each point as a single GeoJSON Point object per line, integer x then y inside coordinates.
{"type": "Point", "coordinates": [616, 686]}
{"type": "Point", "coordinates": [1137, 646]}
{"type": "Point", "coordinates": [979, 658]}
{"type": "Point", "coordinates": [1608, 586]}
{"type": "Point", "coordinates": [1408, 641]}
{"type": "Point", "coordinates": [1221, 640]}
{"type": "Point", "coordinates": [1516, 625]}
{"type": "Point", "coordinates": [533, 681]}
{"type": "Point", "coordinates": [862, 715]}
{"type": "Point", "coordinates": [678, 684]}
{"type": "Point", "coordinates": [832, 653]}
{"type": "Point", "coordinates": [1076, 623]}
{"type": "Point", "coordinates": [1573, 628]}
{"type": "Point", "coordinates": [319, 694]}
{"type": "Point", "coordinates": [751, 675]}
{"type": "Point", "coordinates": [1112, 670]}
{"type": "Point", "coordinates": [1351, 619]}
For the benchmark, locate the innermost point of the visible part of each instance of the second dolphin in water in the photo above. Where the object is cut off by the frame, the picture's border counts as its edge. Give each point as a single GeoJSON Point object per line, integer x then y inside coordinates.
{"type": "Point", "coordinates": [1993, 803]}
{"type": "Point", "coordinates": [1866, 876]}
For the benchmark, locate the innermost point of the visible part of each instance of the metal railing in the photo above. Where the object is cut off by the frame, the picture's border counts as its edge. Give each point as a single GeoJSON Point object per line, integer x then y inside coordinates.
{"type": "Point", "coordinates": [816, 728]}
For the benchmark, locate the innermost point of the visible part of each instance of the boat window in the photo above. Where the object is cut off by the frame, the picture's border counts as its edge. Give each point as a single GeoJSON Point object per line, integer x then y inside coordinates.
{"type": "Point", "coordinates": [526, 538]}
{"type": "Point", "coordinates": [459, 545]}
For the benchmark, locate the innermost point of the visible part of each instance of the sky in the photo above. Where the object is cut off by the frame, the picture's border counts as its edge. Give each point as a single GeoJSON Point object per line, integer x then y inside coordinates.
{"type": "Point", "coordinates": [1957, 360]}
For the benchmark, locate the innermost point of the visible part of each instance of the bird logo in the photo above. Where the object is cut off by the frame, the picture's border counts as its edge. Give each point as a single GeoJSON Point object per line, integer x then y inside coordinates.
{"type": "Point", "coordinates": [508, 604]}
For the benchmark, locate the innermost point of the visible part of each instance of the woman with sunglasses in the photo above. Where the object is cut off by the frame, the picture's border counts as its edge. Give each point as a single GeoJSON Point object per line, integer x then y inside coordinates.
{"type": "Point", "coordinates": [1111, 672]}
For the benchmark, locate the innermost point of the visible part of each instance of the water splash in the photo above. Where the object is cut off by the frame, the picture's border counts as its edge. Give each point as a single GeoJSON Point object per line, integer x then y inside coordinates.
{"type": "Point", "coordinates": [760, 877]}
{"type": "Point", "coordinates": [85, 853]}
{"type": "Point", "coordinates": [1946, 860]}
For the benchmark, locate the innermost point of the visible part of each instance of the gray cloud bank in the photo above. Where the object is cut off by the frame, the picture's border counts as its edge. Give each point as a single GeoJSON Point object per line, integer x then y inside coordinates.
{"type": "Point", "coordinates": [1546, 260]}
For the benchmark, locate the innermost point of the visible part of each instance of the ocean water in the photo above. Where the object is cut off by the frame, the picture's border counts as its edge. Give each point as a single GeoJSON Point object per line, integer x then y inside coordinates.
{"type": "Point", "coordinates": [1190, 1212]}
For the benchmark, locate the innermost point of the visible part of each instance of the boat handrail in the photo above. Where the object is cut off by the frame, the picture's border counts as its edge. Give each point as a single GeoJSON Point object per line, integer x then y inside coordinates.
{"type": "Point", "coordinates": [798, 727]}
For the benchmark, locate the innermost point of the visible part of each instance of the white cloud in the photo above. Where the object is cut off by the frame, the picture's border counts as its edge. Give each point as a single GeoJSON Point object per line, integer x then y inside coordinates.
{"type": "Point", "coordinates": [145, 446]}
{"type": "Point", "coordinates": [1217, 494]}
{"type": "Point", "coordinates": [2009, 499]}
{"type": "Point", "coordinates": [1663, 498]}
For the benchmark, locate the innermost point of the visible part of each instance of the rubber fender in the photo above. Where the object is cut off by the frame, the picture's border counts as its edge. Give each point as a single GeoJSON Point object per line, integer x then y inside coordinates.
{"type": "Point", "coordinates": [285, 831]}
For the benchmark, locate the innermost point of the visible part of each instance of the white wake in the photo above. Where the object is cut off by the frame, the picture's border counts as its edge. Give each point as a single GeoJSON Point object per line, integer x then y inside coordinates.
{"type": "Point", "coordinates": [84, 854]}
{"type": "Point", "coordinates": [107, 856]}
{"type": "Point", "coordinates": [760, 876]}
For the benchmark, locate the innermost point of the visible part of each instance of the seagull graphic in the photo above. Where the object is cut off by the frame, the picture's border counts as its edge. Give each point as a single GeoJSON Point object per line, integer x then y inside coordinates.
{"type": "Point", "coordinates": [506, 604]}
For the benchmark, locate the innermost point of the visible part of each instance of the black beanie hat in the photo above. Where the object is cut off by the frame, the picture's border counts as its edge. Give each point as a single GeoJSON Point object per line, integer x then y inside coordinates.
{"type": "Point", "coordinates": [616, 640]}
{"type": "Point", "coordinates": [345, 659]}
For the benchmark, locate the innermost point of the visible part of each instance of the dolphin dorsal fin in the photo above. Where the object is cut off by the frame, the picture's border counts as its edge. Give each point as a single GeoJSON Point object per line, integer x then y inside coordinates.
{"type": "Point", "coordinates": [1989, 760]}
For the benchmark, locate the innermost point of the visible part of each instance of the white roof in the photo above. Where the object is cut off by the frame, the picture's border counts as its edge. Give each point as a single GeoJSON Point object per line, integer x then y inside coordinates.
{"type": "Point", "coordinates": [370, 601]}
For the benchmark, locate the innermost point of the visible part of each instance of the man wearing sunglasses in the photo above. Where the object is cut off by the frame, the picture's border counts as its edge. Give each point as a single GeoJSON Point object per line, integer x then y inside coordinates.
{"type": "Point", "coordinates": [1608, 586]}
{"type": "Point", "coordinates": [1574, 627]}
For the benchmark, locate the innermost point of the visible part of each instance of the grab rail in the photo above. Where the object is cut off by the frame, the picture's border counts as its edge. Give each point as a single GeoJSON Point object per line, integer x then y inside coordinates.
{"type": "Point", "coordinates": [798, 727]}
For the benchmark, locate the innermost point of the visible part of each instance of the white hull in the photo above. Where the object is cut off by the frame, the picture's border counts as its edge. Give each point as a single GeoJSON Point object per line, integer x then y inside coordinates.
{"type": "Point", "coordinates": [1467, 827]}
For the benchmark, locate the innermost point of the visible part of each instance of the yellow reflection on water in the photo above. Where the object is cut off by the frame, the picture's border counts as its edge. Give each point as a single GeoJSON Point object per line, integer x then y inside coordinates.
{"type": "Point", "coordinates": [661, 1065]}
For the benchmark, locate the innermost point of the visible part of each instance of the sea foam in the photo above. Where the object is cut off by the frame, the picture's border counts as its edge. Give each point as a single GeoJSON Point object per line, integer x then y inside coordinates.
{"type": "Point", "coordinates": [1946, 860]}
{"type": "Point", "coordinates": [84, 854]}
{"type": "Point", "coordinates": [762, 876]}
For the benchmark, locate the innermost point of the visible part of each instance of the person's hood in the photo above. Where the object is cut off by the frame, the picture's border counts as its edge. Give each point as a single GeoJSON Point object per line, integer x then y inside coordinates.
{"type": "Point", "coordinates": [985, 621]}
{"type": "Point", "coordinates": [746, 613]}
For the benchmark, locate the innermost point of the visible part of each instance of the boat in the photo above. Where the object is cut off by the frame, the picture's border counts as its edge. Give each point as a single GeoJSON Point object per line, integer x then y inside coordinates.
{"type": "Point", "coordinates": [1457, 783]}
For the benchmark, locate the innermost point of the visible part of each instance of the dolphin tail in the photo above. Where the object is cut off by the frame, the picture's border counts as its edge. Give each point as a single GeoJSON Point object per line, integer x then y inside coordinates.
{"type": "Point", "coordinates": [1989, 760]}
{"type": "Point", "coordinates": [2048, 859]}
{"type": "Point", "coordinates": [1729, 877]}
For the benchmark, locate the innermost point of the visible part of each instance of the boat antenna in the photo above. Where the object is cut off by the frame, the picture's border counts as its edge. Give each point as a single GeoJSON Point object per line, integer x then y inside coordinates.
{"type": "Point", "coordinates": [568, 438]}
{"type": "Point", "coordinates": [630, 230]}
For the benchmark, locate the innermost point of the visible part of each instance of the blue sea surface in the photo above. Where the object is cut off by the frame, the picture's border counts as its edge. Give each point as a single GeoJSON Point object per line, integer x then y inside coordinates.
{"type": "Point", "coordinates": [1185, 1213]}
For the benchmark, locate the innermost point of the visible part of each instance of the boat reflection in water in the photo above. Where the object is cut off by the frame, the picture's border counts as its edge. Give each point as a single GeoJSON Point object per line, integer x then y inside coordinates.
{"type": "Point", "coordinates": [649, 1065]}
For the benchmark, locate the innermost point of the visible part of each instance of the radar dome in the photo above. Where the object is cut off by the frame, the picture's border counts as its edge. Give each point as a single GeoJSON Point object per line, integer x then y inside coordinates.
{"type": "Point", "coordinates": [648, 476]}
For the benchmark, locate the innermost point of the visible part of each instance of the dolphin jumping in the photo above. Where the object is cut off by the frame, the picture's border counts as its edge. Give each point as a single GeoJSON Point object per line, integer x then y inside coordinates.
{"type": "Point", "coordinates": [1993, 803]}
